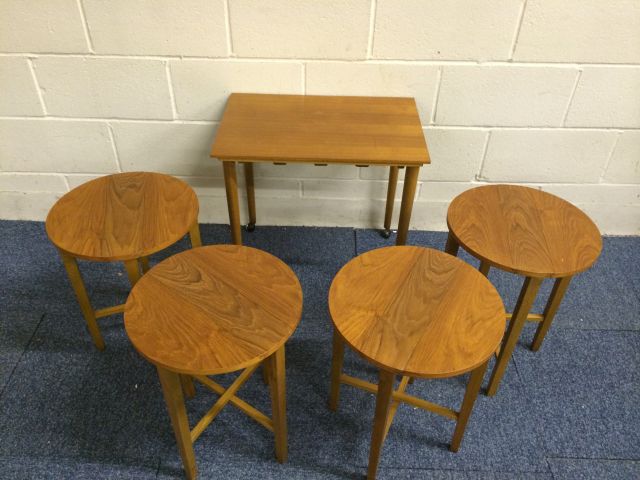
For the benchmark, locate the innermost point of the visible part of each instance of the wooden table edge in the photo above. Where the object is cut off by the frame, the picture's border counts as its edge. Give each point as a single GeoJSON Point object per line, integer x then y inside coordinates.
{"type": "Point", "coordinates": [242, 365]}
{"type": "Point", "coordinates": [122, 258]}
{"type": "Point", "coordinates": [367, 163]}
{"type": "Point", "coordinates": [525, 273]}
{"type": "Point", "coordinates": [218, 371]}
{"type": "Point", "coordinates": [411, 373]}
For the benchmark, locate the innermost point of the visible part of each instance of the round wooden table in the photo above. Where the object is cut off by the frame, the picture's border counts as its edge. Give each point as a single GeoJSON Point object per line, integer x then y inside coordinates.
{"type": "Point", "coordinates": [527, 232]}
{"type": "Point", "coordinates": [122, 217]}
{"type": "Point", "coordinates": [414, 312]}
{"type": "Point", "coordinates": [213, 310]}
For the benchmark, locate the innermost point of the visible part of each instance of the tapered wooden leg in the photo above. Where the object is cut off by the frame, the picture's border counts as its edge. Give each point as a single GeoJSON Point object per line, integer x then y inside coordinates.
{"type": "Point", "coordinates": [172, 390]}
{"type": "Point", "coordinates": [71, 265]}
{"type": "Point", "coordinates": [194, 235]}
{"type": "Point", "coordinates": [519, 317]}
{"type": "Point", "coordinates": [133, 271]}
{"type": "Point", "coordinates": [470, 395]}
{"type": "Point", "coordinates": [231, 187]}
{"type": "Point", "coordinates": [251, 196]}
{"type": "Point", "coordinates": [408, 194]}
{"type": "Point", "coordinates": [404, 381]}
{"type": "Point", "coordinates": [383, 404]}
{"type": "Point", "coordinates": [188, 387]}
{"type": "Point", "coordinates": [144, 264]}
{"type": "Point", "coordinates": [557, 293]}
{"type": "Point", "coordinates": [391, 196]}
{"type": "Point", "coordinates": [279, 402]}
{"type": "Point", "coordinates": [336, 370]}
{"type": "Point", "coordinates": [484, 268]}
{"type": "Point", "coordinates": [452, 245]}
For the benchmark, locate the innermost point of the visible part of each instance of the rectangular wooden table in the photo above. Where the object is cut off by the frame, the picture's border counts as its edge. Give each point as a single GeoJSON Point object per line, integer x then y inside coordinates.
{"type": "Point", "coordinates": [361, 131]}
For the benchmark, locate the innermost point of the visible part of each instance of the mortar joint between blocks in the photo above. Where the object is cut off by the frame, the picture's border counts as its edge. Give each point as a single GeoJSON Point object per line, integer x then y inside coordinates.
{"type": "Point", "coordinates": [372, 27]}
{"type": "Point", "coordinates": [516, 34]}
{"type": "Point", "coordinates": [172, 98]}
{"type": "Point", "coordinates": [573, 93]}
{"type": "Point", "coordinates": [227, 21]}
{"type": "Point", "coordinates": [85, 27]}
{"type": "Point", "coordinates": [607, 162]}
{"type": "Point", "coordinates": [32, 69]}
{"type": "Point", "coordinates": [114, 147]}
{"type": "Point", "coordinates": [479, 176]}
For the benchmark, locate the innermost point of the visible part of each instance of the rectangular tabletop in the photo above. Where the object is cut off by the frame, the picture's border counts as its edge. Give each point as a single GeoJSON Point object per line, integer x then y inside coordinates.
{"type": "Point", "coordinates": [321, 129]}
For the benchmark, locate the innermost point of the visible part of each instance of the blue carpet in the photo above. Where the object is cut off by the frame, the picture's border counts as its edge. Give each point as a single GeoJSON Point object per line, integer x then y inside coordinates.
{"type": "Point", "coordinates": [69, 411]}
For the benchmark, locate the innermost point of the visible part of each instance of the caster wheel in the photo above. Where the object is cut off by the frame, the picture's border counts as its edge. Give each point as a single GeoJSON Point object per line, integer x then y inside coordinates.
{"type": "Point", "coordinates": [385, 233]}
{"type": "Point", "coordinates": [251, 227]}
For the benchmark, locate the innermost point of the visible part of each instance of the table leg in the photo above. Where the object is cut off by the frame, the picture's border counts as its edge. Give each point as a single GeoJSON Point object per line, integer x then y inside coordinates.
{"type": "Point", "coordinates": [71, 265]}
{"type": "Point", "coordinates": [144, 264]}
{"type": "Point", "coordinates": [172, 390]}
{"type": "Point", "coordinates": [408, 194]}
{"type": "Point", "coordinates": [391, 196]}
{"type": "Point", "coordinates": [265, 373]}
{"type": "Point", "coordinates": [194, 235]}
{"type": "Point", "coordinates": [336, 370]}
{"type": "Point", "coordinates": [188, 387]}
{"type": "Point", "coordinates": [452, 245]}
{"type": "Point", "coordinates": [557, 293]}
{"type": "Point", "coordinates": [251, 196]}
{"type": "Point", "coordinates": [133, 271]}
{"type": "Point", "coordinates": [279, 402]}
{"type": "Point", "coordinates": [231, 187]}
{"type": "Point", "coordinates": [383, 405]}
{"type": "Point", "coordinates": [519, 317]}
{"type": "Point", "coordinates": [484, 268]}
{"type": "Point", "coordinates": [470, 395]}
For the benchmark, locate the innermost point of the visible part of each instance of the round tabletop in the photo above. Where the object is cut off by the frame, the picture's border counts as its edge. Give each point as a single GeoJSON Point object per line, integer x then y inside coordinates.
{"type": "Point", "coordinates": [524, 230]}
{"type": "Point", "coordinates": [213, 309]}
{"type": "Point", "coordinates": [417, 311]}
{"type": "Point", "coordinates": [122, 216]}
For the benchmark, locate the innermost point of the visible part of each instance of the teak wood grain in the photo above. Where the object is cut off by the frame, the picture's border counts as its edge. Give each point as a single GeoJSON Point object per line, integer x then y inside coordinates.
{"type": "Point", "coordinates": [328, 129]}
{"type": "Point", "coordinates": [123, 216]}
{"type": "Point", "coordinates": [213, 309]}
{"type": "Point", "coordinates": [524, 231]}
{"type": "Point", "coordinates": [417, 311]}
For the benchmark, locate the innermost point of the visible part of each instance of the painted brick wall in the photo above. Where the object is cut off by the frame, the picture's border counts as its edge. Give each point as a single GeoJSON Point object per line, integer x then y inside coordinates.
{"type": "Point", "coordinates": [538, 92]}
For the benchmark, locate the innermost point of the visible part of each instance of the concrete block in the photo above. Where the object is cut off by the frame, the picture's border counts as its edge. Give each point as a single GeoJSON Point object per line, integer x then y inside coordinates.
{"type": "Point", "coordinates": [26, 182]}
{"type": "Point", "coordinates": [452, 30]}
{"type": "Point", "coordinates": [19, 94]}
{"type": "Point", "coordinates": [104, 87]}
{"type": "Point", "coordinates": [158, 27]}
{"type": "Point", "coordinates": [549, 156]}
{"type": "Point", "coordinates": [624, 166]}
{"type": "Point", "coordinates": [581, 31]}
{"type": "Point", "coordinates": [201, 87]}
{"type": "Point", "coordinates": [301, 29]}
{"type": "Point", "coordinates": [176, 149]}
{"type": "Point", "coordinates": [55, 146]}
{"type": "Point", "coordinates": [606, 97]}
{"type": "Point", "coordinates": [53, 26]}
{"type": "Point", "coordinates": [504, 95]}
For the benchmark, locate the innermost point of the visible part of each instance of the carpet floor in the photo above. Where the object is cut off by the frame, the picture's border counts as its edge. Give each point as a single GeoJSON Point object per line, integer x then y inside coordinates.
{"type": "Point", "coordinates": [569, 411]}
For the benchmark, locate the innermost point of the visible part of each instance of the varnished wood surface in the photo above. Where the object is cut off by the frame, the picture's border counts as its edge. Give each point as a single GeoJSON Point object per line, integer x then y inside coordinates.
{"type": "Point", "coordinates": [123, 216]}
{"type": "Point", "coordinates": [524, 230]}
{"type": "Point", "coordinates": [329, 129]}
{"type": "Point", "coordinates": [417, 311]}
{"type": "Point", "coordinates": [213, 309]}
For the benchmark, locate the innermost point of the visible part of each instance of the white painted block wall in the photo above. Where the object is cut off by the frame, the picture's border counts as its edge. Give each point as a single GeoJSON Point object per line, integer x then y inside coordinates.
{"type": "Point", "coordinates": [536, 92]}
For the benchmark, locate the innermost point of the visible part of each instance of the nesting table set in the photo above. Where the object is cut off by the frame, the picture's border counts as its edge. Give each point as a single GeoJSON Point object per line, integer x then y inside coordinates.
{"type": "Point", "coordinates": [412, 312]}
